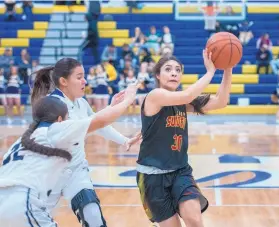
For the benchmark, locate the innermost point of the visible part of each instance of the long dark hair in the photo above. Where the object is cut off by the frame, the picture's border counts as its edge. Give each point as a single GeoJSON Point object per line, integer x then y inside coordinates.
{"type": "Point", "coordinates": [48, 78]}
{"type": "Point", "coordinates": [46, 109]}
{"type": "Point", "coordinates": [199, 102]}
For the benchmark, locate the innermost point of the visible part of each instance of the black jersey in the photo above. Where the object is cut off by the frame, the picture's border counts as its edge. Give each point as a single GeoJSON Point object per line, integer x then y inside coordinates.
{"type": "Point", "coordinates": [165, 138]}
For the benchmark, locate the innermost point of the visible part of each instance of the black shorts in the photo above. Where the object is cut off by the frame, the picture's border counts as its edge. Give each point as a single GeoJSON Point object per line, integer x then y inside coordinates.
{"type": "Point", "coordinates": [162, 193]}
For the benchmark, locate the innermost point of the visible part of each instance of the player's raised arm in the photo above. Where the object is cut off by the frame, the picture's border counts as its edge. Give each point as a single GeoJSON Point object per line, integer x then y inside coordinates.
{"type": "Point", "coordinates": [221, 99]}
{"type": "Point", "coordinates": [168, 72]}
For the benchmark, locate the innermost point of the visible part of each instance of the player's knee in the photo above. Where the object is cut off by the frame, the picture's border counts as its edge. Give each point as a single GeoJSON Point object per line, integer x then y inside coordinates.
{"type": "Point", "coordinates": [87, 209]}
{"type": "Point", "coordinates": [193, 220]}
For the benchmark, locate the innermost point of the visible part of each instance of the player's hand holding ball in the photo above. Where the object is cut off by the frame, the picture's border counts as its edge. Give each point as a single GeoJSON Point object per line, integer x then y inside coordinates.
{"type": "Point", "coordinates": [210, 67]}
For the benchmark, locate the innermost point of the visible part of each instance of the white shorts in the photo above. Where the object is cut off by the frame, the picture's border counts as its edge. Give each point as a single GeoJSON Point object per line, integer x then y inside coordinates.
{"type": "Point", "coordinates": [71, 183]}
{"type": "Point", "coordinates": [20, 207]}
{"type": "Point", "coordinates": [97, 96]}
{"type": "Point", "coordinates": [15, 96]}
{"type": "Point", "coordinates": [90, 96]}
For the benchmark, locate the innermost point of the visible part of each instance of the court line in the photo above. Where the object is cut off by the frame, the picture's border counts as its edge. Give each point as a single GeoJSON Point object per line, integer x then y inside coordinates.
{"type": "Point", "coordinates": [136, 188]}
{"type": "Point", "coordinates": [135, 155]}
{"type": "Point", "coordinates": [217, 191]}
{"type": "Point", "coordinates": [213, 205]}
{"type": "Point", "coordinates": [210, 205]}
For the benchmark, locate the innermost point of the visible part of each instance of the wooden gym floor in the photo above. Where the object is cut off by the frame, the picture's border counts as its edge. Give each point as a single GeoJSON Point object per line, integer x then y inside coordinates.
{"type": "Point", "coordinates": [235, 163]}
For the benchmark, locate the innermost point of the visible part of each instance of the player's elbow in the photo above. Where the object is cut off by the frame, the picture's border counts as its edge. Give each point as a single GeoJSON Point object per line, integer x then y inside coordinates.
{"type": "Point", "coordinates": [222, 103]}
{"type": "Point", "coordinates": [188, 98]}
{"type": "Point", "coordinates": [98, 123]}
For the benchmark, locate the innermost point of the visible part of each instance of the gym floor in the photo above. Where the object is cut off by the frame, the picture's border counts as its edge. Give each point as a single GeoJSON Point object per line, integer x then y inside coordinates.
{"type": "Point", "coordinates": [235, 161]}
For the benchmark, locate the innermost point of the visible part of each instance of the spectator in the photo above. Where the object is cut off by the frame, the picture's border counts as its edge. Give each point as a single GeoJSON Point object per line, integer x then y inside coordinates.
{"type": "Point", "coordinates": [13, 95]}
{"type": "Point", "coordinates": [133, 4]}
{"type": "Point", "coordinates": [153, 39]}
{"type": "Point", "coordinates": [143, 78]}
{"type": "Point", "coordinates": [10, 14]}
{"type": "Point", "coordinates": [6, 60]}
{"type": "Point", "coordinates": [75, 2]}
{"type": "Point", "coordinates": [121, 84]}
{"type": "Point", "coordinates": [102, 90]}
{"type": "Point", "coordinates": [218, 27]}
{"type": "Point", "coordinates": [112, 78]}
{"type": "Point", "coordinates": [245, 32]}
{"type": "Point", "coordinates": [275, 66]}
{"type": "Point", "coordinates": [146, 55]}
{"type": "Point", "coordinates": [24, 64]}
{"type": "Point", "coordinates": [231, 27]}
{"type": "Point", "coordinates": [110, 70]}
{"type": "Point", "coordinates": [229, 11]}
{"type": "Point", "coordinates": [166, 51]}
{"type": "Point", "coordinates": [92, 40]}
{"type": "Point", "coordinates": [3, 90]}
{"type": "Point", "coordinates": [263, 58]}
{"type": "Point", "coordinates": [35, 68]}
{"type": "Point", "coordinates": [130, 79]}
{"type": "Point", "coordinates": [264, 40]}
{"type": "Point", "coordinates": [69, 2]}
{"type": "Point", "coordinates": [110, 54]}
{"type": "Point", "coordinates": [167, 40]}
{"type": "Point", "coordinates": [138, 39]}
{"type": "Point", "coordinates": [150, 66]}
{"type": "Point", "coordinates": [92, 84]}
{"type": "Point", "coordinates": [127, 53]}
{"type": "Point", "coordinates": [27, 10]}
{"type": "Point", "coordinates": [127, 67]}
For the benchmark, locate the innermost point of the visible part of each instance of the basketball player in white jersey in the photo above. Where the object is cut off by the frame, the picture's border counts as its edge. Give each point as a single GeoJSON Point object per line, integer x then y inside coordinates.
{"type": "Point", "coordinates": [67, 76]}
{"type": "Point", "coordinates": [35, 162]}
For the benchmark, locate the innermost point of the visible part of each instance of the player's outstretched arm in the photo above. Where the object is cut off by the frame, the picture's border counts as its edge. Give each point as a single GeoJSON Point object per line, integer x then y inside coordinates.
{"type": "Point", "coordinates": [162, 97]}
{"type": "Point", "coordinates": [108, 115]}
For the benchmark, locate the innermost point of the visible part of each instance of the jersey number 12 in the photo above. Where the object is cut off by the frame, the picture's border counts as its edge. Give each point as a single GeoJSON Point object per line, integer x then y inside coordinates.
{"type": "Point", "coordinates": [14, 156]}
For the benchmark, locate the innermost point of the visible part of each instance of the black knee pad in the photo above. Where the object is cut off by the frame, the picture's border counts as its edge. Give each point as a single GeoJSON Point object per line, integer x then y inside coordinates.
{"type": "Point", "coordinates": [83, 198]}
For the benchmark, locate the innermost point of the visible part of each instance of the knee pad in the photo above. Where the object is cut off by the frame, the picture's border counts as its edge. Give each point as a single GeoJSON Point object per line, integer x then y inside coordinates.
{"type": "Point", "coordinates": [83, 198]}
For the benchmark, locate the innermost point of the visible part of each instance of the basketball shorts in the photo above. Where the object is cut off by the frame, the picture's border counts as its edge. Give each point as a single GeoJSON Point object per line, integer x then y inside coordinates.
{"type": "Point", "coordinates": [21, 207]}
{"type": "Point", "coordinates": [162, 193]}
{"type": "Point", "coordinates": [70, 183]}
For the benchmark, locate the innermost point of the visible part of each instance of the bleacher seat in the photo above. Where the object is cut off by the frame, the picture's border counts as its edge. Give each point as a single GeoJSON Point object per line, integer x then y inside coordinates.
{"type": "Point", "coordinates": [190, 39]}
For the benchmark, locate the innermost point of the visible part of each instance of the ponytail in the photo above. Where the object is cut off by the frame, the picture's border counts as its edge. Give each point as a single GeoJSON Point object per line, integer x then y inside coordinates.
{"type": "Point", "coordinates": [43, 83]}
{"type": "Point", "coordinates": [31, 145]}
{"type": "Point", "coordinates": [199, 102]}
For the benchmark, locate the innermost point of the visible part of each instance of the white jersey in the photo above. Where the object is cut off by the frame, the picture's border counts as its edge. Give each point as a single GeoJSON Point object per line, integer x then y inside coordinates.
{"type": "Point", "coordinates": [130, 81]}
{"type": "Point", "coordinates": [22, 167]}
{"type": "Point", "coordinates": [102, 79]}
{"type": "Point", "coordinates": [143, 77]}
{"type": "Point", "coordinates": [14, 81]}
{"type": "Point", "coordinates": [80, 109]}
{"type": "Point", "coordinates": [91, 81]}
{"type": "Point", "coordinates": [2, 82]}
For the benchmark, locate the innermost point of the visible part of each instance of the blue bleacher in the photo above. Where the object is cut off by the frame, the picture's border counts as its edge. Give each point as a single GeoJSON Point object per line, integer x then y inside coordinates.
{"type": "Point", "coordinates": [190, 39]}
{"type": "Point", "coordinates": [36, 17]}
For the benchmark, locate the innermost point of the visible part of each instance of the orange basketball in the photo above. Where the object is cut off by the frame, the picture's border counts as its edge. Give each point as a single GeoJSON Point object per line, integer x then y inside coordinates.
{"type": "Point", "coordinates": [226, 50]}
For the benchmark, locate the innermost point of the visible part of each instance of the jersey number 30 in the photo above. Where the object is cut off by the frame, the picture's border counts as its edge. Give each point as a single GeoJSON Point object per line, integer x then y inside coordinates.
{"type": "Point", "coordinates": [177, 143]}
{"type": "Point", "coordinates": [14, 156]}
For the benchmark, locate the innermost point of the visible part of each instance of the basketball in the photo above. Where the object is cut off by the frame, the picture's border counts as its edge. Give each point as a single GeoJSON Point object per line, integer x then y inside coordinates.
{"type": "Point", "coordinates": [226, 50]}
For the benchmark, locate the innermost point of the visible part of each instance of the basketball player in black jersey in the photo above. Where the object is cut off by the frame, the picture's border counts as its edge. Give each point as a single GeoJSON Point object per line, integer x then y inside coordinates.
{"type": "Point", "coordinates": [164, 176]}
